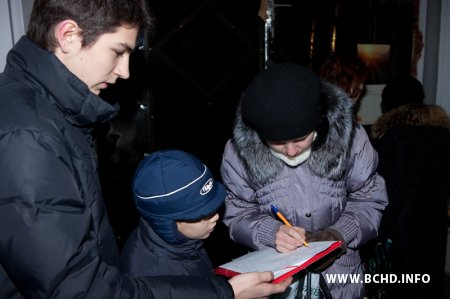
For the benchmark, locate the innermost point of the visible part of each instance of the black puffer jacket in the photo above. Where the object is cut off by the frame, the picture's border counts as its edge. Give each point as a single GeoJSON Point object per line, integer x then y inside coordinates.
{"type": "Point", "coordinates": [413, 143]}
{"type": "Point", "coordinates": [55, 238]}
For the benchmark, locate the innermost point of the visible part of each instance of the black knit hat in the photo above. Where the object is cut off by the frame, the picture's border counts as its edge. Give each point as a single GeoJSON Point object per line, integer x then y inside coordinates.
{"type": "Point", "coordinates": [282, 102]}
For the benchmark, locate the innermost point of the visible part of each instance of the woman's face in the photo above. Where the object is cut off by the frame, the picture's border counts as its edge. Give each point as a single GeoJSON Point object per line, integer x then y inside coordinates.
{"type": "Point", "coordinates": [292, 148]}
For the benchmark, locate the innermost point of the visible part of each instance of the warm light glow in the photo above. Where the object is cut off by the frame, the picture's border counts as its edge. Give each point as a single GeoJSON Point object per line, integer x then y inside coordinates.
{"type": "Point", "coordinates": [333, 40]}
{"type": "Point", "coordinates": [311, 41]}
{"type": "Point", "coordinates": [373, 53]}
{"type": "Point", "coordinates": [376, 56]}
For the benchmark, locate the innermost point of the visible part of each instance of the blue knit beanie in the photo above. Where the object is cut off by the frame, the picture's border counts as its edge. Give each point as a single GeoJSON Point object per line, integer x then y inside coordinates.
{"type": "Point", "coordinates": [172, 185]}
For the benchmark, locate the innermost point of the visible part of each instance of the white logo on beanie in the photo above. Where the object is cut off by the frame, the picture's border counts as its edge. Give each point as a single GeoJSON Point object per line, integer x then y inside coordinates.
{"type": "Point", "coordinates": [207, 187]}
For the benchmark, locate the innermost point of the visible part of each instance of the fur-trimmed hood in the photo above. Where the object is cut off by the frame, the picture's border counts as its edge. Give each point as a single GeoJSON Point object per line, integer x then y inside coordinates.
{"type": "Point", "coordinates": [417, 115]}
{"type": "Point", "coordinates": [330, 151]}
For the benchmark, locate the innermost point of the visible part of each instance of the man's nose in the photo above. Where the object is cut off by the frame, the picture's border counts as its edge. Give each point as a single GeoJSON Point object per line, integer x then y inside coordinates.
{"type": "Point", "coordinates": [122, 69]}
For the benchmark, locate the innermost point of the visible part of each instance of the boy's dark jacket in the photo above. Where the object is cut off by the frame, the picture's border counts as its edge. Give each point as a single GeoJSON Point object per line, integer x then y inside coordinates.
{"type": "Point", "coordinates": [146, 254]}
{"type": "Point", "coordinates": [55, 237]}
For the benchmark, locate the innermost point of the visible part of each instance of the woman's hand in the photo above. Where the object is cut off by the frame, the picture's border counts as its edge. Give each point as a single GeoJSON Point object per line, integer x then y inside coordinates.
{"type": "Point", "coordinates": [328, 234]}
{"type": "Point", "coordinates": [289, 238]}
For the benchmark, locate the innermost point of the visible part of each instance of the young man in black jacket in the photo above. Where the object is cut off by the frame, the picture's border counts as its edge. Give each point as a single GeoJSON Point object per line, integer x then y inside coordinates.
{"type": "Point", "coordinates": [55, 238]}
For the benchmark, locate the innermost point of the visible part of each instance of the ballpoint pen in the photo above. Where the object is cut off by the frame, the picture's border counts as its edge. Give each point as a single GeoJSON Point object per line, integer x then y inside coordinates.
{"type": "Point", "coordinates": [285, 221]}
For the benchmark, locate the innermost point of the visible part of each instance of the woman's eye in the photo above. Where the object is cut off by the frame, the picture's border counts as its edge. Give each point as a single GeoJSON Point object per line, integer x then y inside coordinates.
{"type": "Point", "coordinates": [277, 143]}
{"type": "Point", "coordinates": [301, 138]}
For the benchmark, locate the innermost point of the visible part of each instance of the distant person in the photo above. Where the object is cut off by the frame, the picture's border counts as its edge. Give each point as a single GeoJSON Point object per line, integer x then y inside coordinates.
{"type": "Point", "coordinates": [348, 72]}
{"type": "Point", "coordinates": [121, 144]}
{"type": "Point", "coordinates": [55, 237]}
{"type": "Point", "coordinates": [400, 91]}
{"type": "Point", "coordinates": [413, 144]}
{"type": "Point", "coordinates": [178, 201]}
{"type": "Point", "coordinates": [296, 145]}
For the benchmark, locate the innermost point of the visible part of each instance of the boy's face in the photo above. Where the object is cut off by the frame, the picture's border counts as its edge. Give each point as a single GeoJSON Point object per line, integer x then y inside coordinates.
{"type": "Point", "coordinates": [104, 61]}
{"type": "Point", "coordinates": [198, 230]}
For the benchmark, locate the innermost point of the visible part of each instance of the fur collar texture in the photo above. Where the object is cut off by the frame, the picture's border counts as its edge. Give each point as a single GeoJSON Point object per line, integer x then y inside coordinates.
{"type": "Point", "coordinates": [417, 115]}
{"type": "Point", "coordinates": [330, 150]}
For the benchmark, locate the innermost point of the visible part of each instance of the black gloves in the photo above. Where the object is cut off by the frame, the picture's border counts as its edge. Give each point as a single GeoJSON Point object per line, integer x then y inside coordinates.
{"type": "Point", "coordinates": [328, 234]}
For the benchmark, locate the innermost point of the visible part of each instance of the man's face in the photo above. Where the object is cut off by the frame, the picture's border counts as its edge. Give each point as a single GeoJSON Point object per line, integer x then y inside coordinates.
{"type": "Point", "coordinates": [103, 62]}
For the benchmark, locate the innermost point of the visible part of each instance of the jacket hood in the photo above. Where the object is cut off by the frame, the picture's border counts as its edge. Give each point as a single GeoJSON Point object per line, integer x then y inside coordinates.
{"type": "Point", "coordinates": [35, 64]}
{"type": "Point", "coordinates": [417, 115]}
{"type": "Point", "coordinates": [161, 247]}
{"type": "Point", "coordinates": [330, 150]}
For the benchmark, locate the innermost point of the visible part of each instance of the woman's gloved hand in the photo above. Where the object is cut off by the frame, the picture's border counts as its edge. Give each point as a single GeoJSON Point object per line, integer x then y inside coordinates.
{"type": "Point", "coordinates": [328, 234]}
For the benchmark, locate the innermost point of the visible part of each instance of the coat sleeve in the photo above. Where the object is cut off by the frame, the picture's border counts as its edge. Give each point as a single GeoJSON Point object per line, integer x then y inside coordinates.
{"type": "Point", "coordinates": [49, 244]}
{"type": "Point", "coordinates": [242, 212]}
{"type": "Point", "coordinates": [367, 195]}
{"type": "Point", "coordinates": [395, 163]}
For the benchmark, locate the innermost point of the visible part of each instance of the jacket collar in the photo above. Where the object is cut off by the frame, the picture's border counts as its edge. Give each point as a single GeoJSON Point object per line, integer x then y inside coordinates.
{"type": "Point", "coordinates": [42, 68]}
{"type": "Point", "coordinates": [416, 115]}
{"type": "Point", "coordinates": [153, 242]}
{"type": "Point", "coordinates": [328, 159]}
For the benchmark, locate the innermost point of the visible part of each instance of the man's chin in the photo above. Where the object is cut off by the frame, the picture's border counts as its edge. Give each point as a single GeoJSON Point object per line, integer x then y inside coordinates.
{"type": "Point", "coordinates": [99, 87]}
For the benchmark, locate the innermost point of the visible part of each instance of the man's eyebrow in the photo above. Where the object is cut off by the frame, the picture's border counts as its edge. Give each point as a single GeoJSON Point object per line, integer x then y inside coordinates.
{"type": "Point", "coordinates": [127, 47]}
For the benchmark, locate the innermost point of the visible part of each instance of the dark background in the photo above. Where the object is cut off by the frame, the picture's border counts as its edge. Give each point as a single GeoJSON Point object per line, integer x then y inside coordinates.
{"type": "Point", "coordinates": [187, 79]}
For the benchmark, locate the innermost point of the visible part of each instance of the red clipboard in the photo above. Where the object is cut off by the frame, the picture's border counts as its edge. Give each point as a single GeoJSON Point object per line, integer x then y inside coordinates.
{"type": "Point", "coordinates": [295, 269]}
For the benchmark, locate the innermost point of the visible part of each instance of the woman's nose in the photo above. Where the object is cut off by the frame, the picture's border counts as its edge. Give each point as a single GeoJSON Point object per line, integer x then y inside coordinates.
{"type": "Point", "coordinates": [291, 150]}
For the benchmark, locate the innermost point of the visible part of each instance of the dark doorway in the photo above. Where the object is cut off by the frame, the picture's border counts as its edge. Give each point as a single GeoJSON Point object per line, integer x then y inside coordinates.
{"type": "Point", "coordinates": [186, 80]}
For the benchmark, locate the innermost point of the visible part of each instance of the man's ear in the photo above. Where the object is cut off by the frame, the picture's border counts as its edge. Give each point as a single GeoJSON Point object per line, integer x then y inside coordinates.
{"type": "Point", "coordinates": [67, 35]}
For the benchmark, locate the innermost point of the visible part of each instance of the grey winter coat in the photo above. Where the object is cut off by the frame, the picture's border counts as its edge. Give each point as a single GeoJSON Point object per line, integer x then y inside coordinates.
{"type": "Point", "coordinates": [55, 237]}
{"type": "Point", "coordinates": [337, 187]}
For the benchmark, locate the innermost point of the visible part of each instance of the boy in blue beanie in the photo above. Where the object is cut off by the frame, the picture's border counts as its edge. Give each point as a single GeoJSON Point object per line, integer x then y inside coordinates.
{"type": "Point", "coordinates": [178, 199]}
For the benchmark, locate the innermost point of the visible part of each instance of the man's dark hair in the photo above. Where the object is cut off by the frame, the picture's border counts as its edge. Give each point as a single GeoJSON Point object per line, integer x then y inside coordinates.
{"type": "Point", "coordinates": [94, 17]}
{"type": "Point", "coordinates": [401, 90]}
